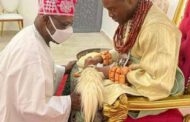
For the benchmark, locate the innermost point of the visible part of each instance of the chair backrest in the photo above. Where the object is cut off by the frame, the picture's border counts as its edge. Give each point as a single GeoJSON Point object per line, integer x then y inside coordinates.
{"type": "Point", "coordinates": [9, 5]}
{"type": "Point", "coordinates": [184, 56]}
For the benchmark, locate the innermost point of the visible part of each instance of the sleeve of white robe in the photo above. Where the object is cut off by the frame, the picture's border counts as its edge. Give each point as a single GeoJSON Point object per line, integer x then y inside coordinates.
{"type": "Point", "coordinates": [59, 71]}
{"type": "Point", "coordinates": [159, 47]}
{"type": "Point", "coordinates": [35, 90]}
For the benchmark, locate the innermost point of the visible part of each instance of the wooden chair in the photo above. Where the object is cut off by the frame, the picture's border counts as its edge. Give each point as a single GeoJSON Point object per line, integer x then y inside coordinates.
{"type": "Point", "coordinates": [10, 14]}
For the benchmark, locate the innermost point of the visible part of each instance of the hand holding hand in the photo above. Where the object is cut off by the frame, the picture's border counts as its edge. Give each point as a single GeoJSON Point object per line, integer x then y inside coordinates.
{"type": "Point", "coordinates": [93, 61]}
{"type": "Point", "coordinates": [104, 70]}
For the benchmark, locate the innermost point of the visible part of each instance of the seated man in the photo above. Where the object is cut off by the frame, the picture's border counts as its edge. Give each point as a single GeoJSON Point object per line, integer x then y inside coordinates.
{"type": "Point", "coordinates": [147, 43]}
{"type": "Point", "coordinates": [27, 68]}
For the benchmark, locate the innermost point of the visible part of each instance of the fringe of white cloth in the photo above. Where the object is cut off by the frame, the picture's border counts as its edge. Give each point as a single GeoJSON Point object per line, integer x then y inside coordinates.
{"type": "Point", "coordinates": [90, 88]}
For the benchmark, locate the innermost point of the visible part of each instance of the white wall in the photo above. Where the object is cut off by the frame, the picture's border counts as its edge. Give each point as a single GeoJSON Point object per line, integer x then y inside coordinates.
{"type": "Point", "coordinates": [28, 9]}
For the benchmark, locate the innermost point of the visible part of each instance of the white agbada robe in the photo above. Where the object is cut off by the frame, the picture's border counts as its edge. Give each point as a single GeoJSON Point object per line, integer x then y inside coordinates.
{"type": "Point", "coordinates": [26, 82]}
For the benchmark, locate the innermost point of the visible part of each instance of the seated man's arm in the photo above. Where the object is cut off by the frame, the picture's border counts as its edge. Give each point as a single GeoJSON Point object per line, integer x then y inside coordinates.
{"type": "Point", "coordinates": [155, 75]}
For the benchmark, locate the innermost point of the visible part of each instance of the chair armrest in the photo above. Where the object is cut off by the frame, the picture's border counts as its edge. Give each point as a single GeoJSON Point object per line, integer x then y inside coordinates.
{"type": "Point", "coordinates": [141, 103]}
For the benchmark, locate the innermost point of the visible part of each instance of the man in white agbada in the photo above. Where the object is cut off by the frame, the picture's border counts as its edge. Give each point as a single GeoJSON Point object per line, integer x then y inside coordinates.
{"type": "Point", "coordinates": [27, 68]}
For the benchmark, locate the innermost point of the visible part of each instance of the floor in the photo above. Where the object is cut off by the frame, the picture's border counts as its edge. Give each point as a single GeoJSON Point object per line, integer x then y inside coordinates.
{"type": "Point", "coordinates": [67, 51]}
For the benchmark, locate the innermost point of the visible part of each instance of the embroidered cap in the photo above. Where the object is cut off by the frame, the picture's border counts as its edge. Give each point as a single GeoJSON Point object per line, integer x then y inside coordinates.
{"type": "Point", "coordinates": [57, 7]}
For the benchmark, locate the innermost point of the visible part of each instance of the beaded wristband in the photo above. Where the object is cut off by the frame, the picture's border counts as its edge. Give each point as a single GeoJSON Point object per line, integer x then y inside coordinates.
{"type": "Point", "coordinates": [117, 74]}
{"type": "Point", "coordinates": [107, 57]}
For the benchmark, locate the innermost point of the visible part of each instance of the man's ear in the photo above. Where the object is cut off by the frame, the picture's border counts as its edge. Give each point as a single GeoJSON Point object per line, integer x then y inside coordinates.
{"type": "Point", "coordinates": [45, 18]}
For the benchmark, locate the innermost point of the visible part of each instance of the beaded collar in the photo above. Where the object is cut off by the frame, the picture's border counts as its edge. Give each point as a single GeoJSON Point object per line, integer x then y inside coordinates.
{"type": "Point", "coordinates": [136, 23]}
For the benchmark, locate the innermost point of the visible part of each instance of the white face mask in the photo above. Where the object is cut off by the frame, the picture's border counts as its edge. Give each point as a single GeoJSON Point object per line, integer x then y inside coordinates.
{"type": "Point", "coordinates": [60, 35]}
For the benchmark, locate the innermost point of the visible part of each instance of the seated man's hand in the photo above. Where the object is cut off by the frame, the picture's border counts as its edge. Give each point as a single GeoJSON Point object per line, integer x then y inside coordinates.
{"type": "Point", "coordinates": [104, 70]}
{"type": "Point", "coordinates": [69, 66]}
{"type": "Point", "coordinates": [75, 101]}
